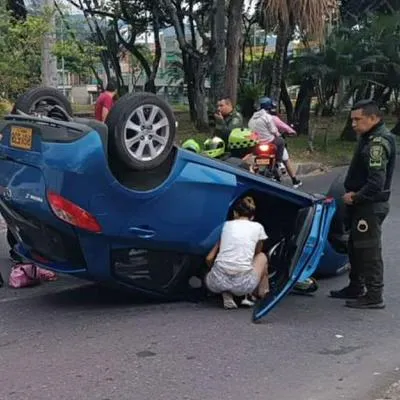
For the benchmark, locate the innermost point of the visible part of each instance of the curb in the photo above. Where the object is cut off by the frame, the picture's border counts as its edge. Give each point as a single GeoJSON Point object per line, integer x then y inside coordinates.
{"type": "Point", "coordinates": [308, 168]}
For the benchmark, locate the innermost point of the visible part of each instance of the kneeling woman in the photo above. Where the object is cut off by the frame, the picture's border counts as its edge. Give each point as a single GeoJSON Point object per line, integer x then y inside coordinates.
{"type": "Point", "coordinates": [238, 267]}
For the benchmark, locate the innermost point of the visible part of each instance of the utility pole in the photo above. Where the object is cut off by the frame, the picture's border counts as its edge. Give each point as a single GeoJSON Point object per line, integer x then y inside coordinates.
{"type": "Point", "coordinates": [49, 61]}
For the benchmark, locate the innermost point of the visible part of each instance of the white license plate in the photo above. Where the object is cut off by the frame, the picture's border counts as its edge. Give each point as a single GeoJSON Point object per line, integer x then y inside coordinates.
{"type": "Point", "coordinates": [262, 161]}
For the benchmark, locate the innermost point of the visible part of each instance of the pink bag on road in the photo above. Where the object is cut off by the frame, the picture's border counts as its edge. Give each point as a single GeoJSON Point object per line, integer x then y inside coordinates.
{"type": "Point", "coordinates": [46, 275]}
{"type": "Point", "coordinates": [27, 275]}
{"type": "Point", "coordinates": [23, 275]}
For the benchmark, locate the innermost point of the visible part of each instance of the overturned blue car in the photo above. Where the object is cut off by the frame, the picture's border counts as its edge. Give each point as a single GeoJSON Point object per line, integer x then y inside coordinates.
{"type": "Point", "coordinates": [120, 203]}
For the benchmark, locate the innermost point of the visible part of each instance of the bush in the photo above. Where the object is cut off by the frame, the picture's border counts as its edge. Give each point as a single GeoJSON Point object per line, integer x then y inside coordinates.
{"type": "Point", "coordinates": [5, 107]}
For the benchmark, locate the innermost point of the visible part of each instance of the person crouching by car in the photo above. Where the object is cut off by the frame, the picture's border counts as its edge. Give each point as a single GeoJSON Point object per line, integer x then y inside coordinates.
{"type": "Point", "coordinates": [238, 265]}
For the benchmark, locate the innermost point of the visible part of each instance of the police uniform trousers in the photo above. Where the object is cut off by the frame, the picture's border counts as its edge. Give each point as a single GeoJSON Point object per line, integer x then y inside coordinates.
{"type": "Point", "coordinates": [365, 246]}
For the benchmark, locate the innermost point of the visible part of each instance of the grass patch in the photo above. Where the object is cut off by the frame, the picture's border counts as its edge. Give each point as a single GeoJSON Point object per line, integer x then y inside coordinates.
{"type": "Point", "coordinates": [186, 129]}
{"type": "Point", "coordinates": [82, 108]}
{"type": "Point", "coordinates": [328, 148]}
{"type": "Point", "coordinates": [180, 107]}
{"type": "Point", "coordinates": [89, 108]}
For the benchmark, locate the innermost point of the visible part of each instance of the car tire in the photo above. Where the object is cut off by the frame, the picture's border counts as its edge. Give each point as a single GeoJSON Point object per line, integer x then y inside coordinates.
{"type": "Point", "coordinates": [338, 234]}
{"type": "Point", "coordinates": [112, 117]}
{"type": "Point", "coordinates": [32, 97]}
{"type": "Point", "coordinates": [126, 110]}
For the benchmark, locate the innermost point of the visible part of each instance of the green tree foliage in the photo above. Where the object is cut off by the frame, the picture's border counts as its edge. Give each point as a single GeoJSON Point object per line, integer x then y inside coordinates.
{"type": "Point", "coordinates": [20, 52]}
{"type": "Point", "coordinates": [78, 58]}
{"type": "Point", "coordinates": [361, 61]}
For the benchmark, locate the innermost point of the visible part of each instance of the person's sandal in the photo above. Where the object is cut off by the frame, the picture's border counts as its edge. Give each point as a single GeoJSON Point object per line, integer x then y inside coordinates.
{"type": "Point", "coordinates": [247, 301]}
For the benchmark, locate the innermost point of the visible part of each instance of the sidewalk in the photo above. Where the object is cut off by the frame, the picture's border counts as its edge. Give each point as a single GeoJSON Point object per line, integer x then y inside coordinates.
{"type": "Point", "coordinates": [309, 168]}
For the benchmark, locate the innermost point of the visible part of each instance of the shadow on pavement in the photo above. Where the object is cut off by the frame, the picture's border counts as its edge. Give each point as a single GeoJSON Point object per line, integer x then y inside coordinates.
{"type": "Point", "coordinates": [93, 296]}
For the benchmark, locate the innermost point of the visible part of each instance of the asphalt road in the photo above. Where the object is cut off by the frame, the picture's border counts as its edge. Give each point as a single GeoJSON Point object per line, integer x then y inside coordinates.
{"type": "Point", "coordinates": [70, 340]}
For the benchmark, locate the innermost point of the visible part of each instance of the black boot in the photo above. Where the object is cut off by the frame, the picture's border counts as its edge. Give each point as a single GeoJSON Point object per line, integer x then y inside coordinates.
{"type": "Point", "coordinates": [348, 292]}
{"type": "Point", "coordinates": [366, 302]}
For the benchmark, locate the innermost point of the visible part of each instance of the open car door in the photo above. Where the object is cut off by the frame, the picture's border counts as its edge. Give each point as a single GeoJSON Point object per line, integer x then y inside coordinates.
{"type": "Point", "coordinates": [304, 250]}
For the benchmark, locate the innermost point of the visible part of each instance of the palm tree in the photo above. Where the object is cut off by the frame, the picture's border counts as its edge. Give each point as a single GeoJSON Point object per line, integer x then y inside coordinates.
{"type": "Point", "coordinates": [309, 17]}
{"type": "Point", "coordinates": [363, 61]}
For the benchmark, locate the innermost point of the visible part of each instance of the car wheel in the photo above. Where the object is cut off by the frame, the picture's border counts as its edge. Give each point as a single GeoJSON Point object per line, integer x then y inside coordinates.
{"type": "Point", "coordinates": [38, 101]}
{"type": "Point", "coordinates": [143, 130]}
{"type": "Point", "coordinates": [338, 234]}
{"type": "Point", "coordinates": [112, 117]}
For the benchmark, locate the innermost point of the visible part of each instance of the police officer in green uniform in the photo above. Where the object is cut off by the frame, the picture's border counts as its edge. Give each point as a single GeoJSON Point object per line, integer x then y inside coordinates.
{"type": "Point", "coordinates": [226, 119]}
{"type": "Point", "coordinates": [367, 186]}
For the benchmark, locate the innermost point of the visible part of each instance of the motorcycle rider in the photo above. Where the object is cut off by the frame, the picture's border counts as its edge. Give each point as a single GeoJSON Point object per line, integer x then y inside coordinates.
{"type": "Point", "coordinates": [263, 123]}
{"type": "Point", "coordinates": [226, 119]}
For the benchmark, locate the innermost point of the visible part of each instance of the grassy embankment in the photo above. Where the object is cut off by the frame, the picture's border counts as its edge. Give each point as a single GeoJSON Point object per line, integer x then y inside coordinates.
{"type": "Point", "coordinates": [328, 149]}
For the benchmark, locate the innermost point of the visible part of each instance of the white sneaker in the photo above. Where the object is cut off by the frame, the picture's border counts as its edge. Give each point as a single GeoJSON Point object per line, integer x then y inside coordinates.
{"type": "Point", "coordinates": [229, 303]}
{"type": "Point", "coordinates": [297, 183]}
{"type": "Point", "coordinates": [247, 302]}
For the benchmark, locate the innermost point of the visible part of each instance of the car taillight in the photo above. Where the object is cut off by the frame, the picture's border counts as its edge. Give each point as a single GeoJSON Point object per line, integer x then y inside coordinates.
{"type": "Point", "coordinates": [72, 214]}
{"type": "Point", "coordinates": [263, 147]}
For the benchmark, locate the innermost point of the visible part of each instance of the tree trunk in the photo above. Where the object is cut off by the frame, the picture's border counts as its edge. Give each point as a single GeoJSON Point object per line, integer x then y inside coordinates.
{"type": "Point", "coordinates": [282, 42]}
{"type": "Point", "coordinates": [303, 106]}
{"type": "Point", "coordinates": [287, 102]}
{"type": "Point", "coordinates": [151, 79]}
{"type": "Point", "coordinates": [196, 63]}
{"type": "Point", "coordinates": [150, 86]}
{"type": "Point", "coordinates": [109, 56]}
{"type": "Point", "coordinates": [348, 133]}
{"type": "Point", "coordinates": [304, 117]}
{"type": "Point", "coordinates": [382, 95]}
{"type": "Point", "coordinates": [234, 38]}
{"type": "Point", "coordinates": [368, 91]}
{"type": "Point", "coordinates": [199, 94]}
{"type": "Point", "coordinates": [188, 73]}
{"type": "Point", "coordinates": [247, 42]}
{"type": "Point", "coordinates": [218, 64]}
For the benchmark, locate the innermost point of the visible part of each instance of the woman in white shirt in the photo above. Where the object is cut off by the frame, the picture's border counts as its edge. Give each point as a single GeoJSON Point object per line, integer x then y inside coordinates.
{"type": "Point", "coordinates": [238, 266]}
